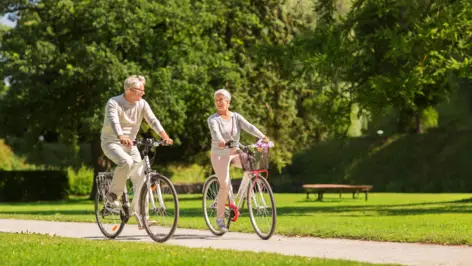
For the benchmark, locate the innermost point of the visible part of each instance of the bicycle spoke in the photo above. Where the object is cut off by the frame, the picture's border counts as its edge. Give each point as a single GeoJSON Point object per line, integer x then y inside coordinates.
{"type": "Point", "coordinates": [261, 207]}
{"type": "Point", "coordinates": [161, 208]}
{"type": "Point", "coordinates": [109, 219]}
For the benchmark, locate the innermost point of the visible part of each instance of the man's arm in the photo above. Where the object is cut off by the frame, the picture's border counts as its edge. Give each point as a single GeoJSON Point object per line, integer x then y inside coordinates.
{"type": "Point", "coordinates": [154, 123]}
{"type": "Point", "coordinates": [111, 111]}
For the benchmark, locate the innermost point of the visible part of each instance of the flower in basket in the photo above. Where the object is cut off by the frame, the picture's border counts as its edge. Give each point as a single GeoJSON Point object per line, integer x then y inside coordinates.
{"type": "Point", "coordinates": [263, 146]}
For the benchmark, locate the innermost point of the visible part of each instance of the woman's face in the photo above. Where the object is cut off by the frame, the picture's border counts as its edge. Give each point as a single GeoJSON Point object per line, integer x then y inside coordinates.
{"type": "Point", "coordinates": [221, 103]}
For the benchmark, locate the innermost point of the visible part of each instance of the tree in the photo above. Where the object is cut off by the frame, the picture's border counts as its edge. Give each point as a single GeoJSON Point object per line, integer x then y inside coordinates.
{"type": "Point", "coordinates": [404, 54]}
{"type": "Point", "coordinates": [66, 58]}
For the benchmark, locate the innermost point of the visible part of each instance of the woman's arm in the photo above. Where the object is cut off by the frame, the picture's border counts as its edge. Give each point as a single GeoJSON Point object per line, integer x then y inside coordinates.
{"type": "Point", "coordinates": [215, 132]}
{"type": "Point", "coordinates": [249, 128]}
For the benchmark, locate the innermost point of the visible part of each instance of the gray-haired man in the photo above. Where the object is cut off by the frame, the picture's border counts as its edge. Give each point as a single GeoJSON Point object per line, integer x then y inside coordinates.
{"type": "Point", "coordinates": [123, 116]}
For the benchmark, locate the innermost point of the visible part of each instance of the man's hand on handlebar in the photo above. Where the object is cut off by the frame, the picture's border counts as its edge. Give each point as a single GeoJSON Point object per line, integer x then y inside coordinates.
{"type": "Point", "coordinates": [168, 141]}
{"type": "Point", "coordinates": [125, 140]}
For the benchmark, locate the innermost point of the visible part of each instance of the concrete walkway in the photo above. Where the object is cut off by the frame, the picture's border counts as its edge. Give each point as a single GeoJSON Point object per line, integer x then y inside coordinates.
{"type": "Point", "coordinates": [366, 251]}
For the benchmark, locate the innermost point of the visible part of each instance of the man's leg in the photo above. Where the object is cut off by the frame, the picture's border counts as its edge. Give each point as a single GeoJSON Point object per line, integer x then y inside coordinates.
{"type": "Point", "coordinates": [119, 155]}
{"type": "Point", "coordinates": [137, 177]}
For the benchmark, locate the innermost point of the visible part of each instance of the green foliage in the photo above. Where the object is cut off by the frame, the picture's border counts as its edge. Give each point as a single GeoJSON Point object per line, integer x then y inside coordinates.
{"type": "Point", "coordinates": [405, 54]}
{"type": "Point", "coordinates": [8, 160]}
{"type": "Point", "coordinates": [437, 161]}
{"type": "Point", "coordinates": [33, 185]}
{"type": "Point", "coordinates": [302, 72]}
{"type": "Point", "coordinates": [68, 57]}
{"type": "Point", "coordinates": [80, 180]}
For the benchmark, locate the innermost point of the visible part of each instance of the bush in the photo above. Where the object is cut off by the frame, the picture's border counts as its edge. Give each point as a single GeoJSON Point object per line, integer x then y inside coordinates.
{"type": "Point", "coordinates": [33, 185]}
{"type": "Point", "coordinates": [10, 161]}
{"type": "Point", "coordinates": [438, 161]}
{"type": "Point", "coordinates": [80, 181]}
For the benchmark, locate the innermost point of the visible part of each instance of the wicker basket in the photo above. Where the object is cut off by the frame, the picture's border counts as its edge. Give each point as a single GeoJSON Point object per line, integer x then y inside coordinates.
{"type": "Point", "coordinates": [254, 160]}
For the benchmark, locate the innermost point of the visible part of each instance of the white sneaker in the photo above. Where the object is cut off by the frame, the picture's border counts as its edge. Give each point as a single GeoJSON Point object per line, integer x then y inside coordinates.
{"type": "Point", "coordinates": [221, 225]}
{"type": "Point", "coordinates": [112, 201]}
{"type": "Point", "coordinates": [149, 222]}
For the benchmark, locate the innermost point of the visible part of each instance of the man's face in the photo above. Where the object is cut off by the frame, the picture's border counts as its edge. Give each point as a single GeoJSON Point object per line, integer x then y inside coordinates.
{"type": "Point", "coordinates": [136, 93]}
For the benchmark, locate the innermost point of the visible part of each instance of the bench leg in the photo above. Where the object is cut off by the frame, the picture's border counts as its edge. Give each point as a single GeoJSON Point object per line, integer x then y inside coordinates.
{"type": "Point", "coordinates": [366, 195]}
{"type": "Point", "coordinates": [355, 194]}
{"type": "Point", "coordinates": [340, 194]}
{"type": "Point", "coordinates": [307, 195]}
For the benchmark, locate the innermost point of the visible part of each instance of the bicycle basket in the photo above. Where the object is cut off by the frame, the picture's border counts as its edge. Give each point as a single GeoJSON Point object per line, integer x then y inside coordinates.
{"type": "Point", "coordinates": [254, 160]}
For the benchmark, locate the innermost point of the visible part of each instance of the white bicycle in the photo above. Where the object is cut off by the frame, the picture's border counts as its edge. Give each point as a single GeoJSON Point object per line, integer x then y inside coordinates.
{"type": "Point", "coordinates": [158, 201]}
{"type": "Point", "coordinates": [256, 191]}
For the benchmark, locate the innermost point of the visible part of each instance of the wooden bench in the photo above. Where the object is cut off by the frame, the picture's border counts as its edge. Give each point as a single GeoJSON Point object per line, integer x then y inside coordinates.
{"type": "Point", "coordinates": [322, 188]}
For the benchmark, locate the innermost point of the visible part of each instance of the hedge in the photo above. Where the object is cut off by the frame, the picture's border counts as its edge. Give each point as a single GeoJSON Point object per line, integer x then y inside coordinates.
{"type": "Point", "coordinates": [33, 185]}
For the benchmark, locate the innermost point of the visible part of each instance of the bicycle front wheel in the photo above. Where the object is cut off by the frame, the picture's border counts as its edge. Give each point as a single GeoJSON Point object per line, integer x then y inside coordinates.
{"type": "Point", "coordinates": [261, 207]}
{"type": "Point", "coordinates": [109, 220]}
{"type": "Point", "coordinates": [210, 205]}
{"type": "Point", "coordinates": [159, 207]}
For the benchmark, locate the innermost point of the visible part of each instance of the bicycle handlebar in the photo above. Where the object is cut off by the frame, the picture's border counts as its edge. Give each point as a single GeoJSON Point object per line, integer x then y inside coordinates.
{"type": "Point", "coordinates": [259, 144]}
{"type": "Point", "coordinates": [150, 142]}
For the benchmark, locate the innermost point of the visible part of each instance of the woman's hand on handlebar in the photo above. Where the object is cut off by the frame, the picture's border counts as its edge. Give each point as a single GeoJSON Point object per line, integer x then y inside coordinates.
{"type": "Point", "coordinates": [221, 144]}
{"type": "Point", "coordinates": [266, 140]}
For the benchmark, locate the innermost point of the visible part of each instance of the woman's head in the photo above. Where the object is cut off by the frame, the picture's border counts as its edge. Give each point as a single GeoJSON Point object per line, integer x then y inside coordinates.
{"type": "Point", "coordinates": [222, 99]}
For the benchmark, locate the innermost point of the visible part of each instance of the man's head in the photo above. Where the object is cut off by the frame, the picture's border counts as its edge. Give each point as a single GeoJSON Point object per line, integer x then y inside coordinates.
{"type": "Point", "coordinates": [134, 88]}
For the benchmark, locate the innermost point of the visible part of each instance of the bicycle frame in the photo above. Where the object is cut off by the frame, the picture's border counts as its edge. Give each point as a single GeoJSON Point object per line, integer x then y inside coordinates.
{"type": "Point", "coordinates": [242, 192]}
{"type": "Point", "coordinates": [145, 176]}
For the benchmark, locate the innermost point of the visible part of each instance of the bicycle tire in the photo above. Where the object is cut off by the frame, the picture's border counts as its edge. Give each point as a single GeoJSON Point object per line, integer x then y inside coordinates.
{"type": "Point", "coordinates": [252, 184]}
{"type": "Point", "coordinates": [99, 197]}
{"type": "Point", "coordinates": [156, 177]}
{"type": "Point", "coordinates": [210, 181]}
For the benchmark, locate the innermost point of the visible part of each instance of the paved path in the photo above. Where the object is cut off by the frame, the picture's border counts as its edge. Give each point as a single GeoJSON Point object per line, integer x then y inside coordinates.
{"type": "Point", "coordinates": [367, 251]}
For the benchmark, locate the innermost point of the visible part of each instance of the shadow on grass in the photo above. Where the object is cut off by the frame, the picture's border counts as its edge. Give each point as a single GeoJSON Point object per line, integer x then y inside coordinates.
{"type": "Point", "coordinates": [146, 237]}
{"type": "Point", "coordinates": [49, 213]}
{"type": "Point", "coordinates": [71, 201]}
{"type": "Point", "coordinates": [192, 198]}
{"type": "Point", "coordinates": [329, 206]}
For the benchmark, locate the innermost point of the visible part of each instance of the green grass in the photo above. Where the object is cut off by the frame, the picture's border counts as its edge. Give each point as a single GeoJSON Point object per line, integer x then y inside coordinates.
{"type": "Point", "coordinates": [427, 218]}
{"type": "Point", "coordinates": [28, 249]}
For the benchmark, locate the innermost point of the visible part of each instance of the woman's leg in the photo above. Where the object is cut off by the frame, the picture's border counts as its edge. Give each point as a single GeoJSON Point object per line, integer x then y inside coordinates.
{"type": "Point", "coordinates": [221, 166]}
{"type": "Point", "coordinates": [244, 182]}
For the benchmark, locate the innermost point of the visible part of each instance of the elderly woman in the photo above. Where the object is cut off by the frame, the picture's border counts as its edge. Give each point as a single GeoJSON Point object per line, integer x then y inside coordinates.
{"type": "Point", "coordinates": [225, 126]}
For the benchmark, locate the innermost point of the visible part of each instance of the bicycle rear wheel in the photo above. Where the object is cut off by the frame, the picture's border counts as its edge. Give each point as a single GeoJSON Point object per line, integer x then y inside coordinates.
{"type": "Point", "coordinates": [261, 207]}
{"type": "Point", "coordinates": [110, 220]}
{"type": "Point", "coordinates": [210, 205]}
{"type": "Point", "coordinates": [161, 208]}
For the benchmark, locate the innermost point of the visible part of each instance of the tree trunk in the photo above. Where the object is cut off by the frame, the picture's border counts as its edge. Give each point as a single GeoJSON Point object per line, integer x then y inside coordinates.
{"type": "Point", "coordinates": [100, 162]}
{"type": "Point", "coordinates": [419, 128]}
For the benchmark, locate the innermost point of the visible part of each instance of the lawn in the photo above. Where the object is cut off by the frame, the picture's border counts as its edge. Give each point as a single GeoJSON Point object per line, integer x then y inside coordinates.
{"type": "Point", "coordinates": [427, 218]}
{"type": "Point", "coordinates": [22, 249]}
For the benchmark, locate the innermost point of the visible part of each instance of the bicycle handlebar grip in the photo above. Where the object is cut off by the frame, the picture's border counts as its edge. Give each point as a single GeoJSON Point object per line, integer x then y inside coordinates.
{"type": "Point", "coordinates": [230, 144]}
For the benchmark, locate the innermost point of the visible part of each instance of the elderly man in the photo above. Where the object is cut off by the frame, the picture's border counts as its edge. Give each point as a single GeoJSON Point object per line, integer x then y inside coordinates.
{"type": "Point", "coordinates": [123, 116]}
